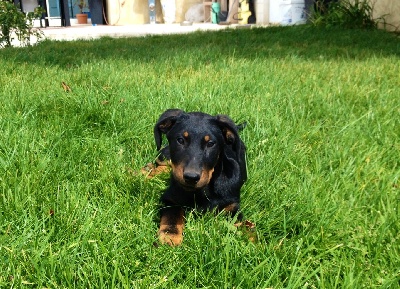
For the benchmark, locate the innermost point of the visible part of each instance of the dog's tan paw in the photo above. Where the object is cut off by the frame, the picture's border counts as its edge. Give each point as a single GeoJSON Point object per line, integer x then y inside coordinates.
{"type": "Point", "coordinates": [150, 170]}
{"type": "Point", "coordinates": [169, 238]}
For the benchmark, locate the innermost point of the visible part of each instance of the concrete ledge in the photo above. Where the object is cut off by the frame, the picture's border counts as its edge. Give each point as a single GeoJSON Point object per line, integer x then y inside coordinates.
{"type": "Point", "coordinates": [87, 31]}
{"type": "Point", "coordinates": [98, 31]}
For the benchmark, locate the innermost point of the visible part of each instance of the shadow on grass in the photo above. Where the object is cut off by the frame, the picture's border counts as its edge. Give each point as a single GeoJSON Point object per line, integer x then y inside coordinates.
{"type": "Point", "coordinates": [304, 42]}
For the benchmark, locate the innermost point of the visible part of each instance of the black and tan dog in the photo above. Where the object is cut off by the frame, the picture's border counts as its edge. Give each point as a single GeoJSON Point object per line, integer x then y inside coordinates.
{"type": "Point", "coordinates": [207, 158]}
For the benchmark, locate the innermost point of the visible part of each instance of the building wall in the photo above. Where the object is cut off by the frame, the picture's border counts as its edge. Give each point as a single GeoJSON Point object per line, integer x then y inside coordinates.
{"type": "Point", "coordinates": [29, 5]}
{"type": "Point", "coordinates": [182, 7]}
{"type": "Point", "coordinates": [390, 10]}
{"type": "Point", "coordinates": [122, 12]}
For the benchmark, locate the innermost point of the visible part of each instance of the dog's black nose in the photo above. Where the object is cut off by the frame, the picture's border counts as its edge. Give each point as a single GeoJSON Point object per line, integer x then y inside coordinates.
{"type": "Point", "coordinates": [191, 178]}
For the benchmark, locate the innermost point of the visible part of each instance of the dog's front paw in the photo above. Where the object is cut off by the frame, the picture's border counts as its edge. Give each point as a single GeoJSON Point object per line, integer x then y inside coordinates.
{"type": "Point", "coordinates": [169, 238]}
{"type": "Point", "coordinates": [171, 226]}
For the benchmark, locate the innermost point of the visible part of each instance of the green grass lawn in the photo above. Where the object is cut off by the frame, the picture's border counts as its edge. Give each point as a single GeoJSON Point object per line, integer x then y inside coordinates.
{"type": "Point", "coordinates": [323, 157]}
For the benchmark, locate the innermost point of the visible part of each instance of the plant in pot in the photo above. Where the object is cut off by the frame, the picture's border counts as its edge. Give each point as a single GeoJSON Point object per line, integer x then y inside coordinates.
{"type": "Point", "coordinates": [81, 17]}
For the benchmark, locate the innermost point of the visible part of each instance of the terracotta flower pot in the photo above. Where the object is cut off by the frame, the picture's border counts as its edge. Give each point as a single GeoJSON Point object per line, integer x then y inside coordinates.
{"type": "Point", "coordinates": [82, 18]}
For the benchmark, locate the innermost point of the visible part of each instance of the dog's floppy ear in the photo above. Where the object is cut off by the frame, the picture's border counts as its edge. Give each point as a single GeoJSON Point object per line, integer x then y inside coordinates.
{"type": "Point", "coordinates": [229, 131]}
{"type": "Point", "coordinates": [165, 123]}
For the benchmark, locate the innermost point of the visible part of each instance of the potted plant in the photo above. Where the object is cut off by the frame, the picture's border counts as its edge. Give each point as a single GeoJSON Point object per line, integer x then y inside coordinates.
{"type": "Point", "coordinates": [81, 17]}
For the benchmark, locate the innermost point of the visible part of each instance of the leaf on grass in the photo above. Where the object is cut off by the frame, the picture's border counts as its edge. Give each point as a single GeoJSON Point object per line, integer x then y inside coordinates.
{"type": "Point", "coordinates": [248, 229]}
{"type": "Point", "coordinates": [247, 224]}
{"type": "Point", "coordinates": [66, 87]}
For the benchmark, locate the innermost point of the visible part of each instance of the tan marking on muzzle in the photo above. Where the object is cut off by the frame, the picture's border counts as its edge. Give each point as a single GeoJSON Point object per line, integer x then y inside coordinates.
{"type": "Point", "coordinates": [177, 172]}
{"type": "Point", "coordinates": [205, 178]}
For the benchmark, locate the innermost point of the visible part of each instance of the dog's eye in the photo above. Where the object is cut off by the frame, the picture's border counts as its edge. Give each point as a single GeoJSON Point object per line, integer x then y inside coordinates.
{"type": "Point", "coordinates": [210, 144]}
{"type": "Point", "coordinates": [180, 140]}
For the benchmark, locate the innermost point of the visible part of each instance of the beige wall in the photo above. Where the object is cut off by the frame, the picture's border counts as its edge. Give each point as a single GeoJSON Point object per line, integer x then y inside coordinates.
{"type": "Point", "coordinates": [390, 10]}
{"type": "Point", "coordinates": [123, 12]}
{"type": "Point", "coordinates": [182, 7]}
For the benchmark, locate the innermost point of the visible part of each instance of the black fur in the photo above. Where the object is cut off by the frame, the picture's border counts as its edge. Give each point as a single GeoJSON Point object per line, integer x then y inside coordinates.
{"type": "Point", "coordinates": [207, 158]}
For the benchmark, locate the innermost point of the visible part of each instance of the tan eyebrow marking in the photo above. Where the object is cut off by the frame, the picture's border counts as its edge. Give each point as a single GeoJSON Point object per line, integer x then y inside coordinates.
{"type": "Point", "coordinates": [185, 134]}
{"type": "Point", "coordinates": [207, 138]}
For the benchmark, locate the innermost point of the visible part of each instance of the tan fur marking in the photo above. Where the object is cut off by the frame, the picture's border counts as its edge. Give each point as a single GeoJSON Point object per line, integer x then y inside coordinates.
{"type": "Point", "coordinates": [171, 234]}
{"type": "Point", "coordinates": [150, 170]}
{"type": "Point", "coordinates": [229, 136]}
{"type": "Point", "coordinates": [165, 124]}
{"type": "Point", "coordinates": [207, 138]}
{"type": "Point", "coordinates": [177, 171]}
{"type": "Point", "coordinates": [231, 207]}
{"type": "Point", "coordinates": [205, 178]}
{"type": "Point", "coordinates": [185, 134]}
{"type": "Point", "coordinates": [206, 175]}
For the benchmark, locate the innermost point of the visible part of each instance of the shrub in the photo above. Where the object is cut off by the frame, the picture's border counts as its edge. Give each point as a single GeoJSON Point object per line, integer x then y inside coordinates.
{"type": "Point", "coordinates": [344, 13]}
{"type": "Point", "coordinates": [15, 22]}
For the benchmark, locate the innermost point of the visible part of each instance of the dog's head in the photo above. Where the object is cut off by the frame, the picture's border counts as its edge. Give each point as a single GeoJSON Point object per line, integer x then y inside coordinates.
{"type": "Point", "coordinates": [197, 142]}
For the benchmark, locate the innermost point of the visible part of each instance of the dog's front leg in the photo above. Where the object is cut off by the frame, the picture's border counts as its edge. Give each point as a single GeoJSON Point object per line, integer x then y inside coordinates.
{"type": "Point", "coordinates": [171, 226]}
